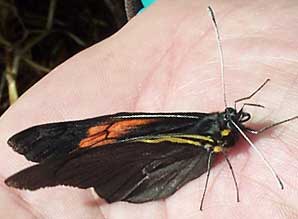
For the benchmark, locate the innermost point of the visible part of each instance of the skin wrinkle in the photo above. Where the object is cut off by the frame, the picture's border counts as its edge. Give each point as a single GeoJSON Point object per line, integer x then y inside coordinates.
{"type": "Point", "coordinates": [284, 99]}
{"type": "Point", "coordinates": [169, 77]}
{"type": "Point", "coordinates": [96, 200]}
{"type": "Point", "coordinates": [177, 64]}
{"type": "Point", "coordinates": [289, 151]}
{"type": "Point", "coordinates": [294, 82]}
{"type": "Point", "coordinates": [193, 45]}
{"type": "Point", "coordinates": [288, 212]}
{"type": "Point", "coordinates": [18, 197]}
{"type": "Point", "coordinates": [144, 83]}
{"type": "Point", "coordinates": [165, 209]}
{"type": "Point", "coordinates": [168, 52]}
{"type": "Point", "coordinates": [264, 185]}
{"type": "Point", "coordinates": [167, 81]}
{"type": "Point", "coordinates": [151, 74]}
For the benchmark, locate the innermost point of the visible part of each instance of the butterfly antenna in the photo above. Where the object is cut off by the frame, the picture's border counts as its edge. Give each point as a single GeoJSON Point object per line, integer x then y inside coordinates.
{"type": "Point", "coordinates": [260, 154]}
{"type": "Point", "coordinates": [220, 53]}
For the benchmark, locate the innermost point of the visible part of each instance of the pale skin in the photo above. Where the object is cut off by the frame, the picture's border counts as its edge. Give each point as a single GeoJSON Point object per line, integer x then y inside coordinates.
{"type": "Point", "coordinates": [166, 60]}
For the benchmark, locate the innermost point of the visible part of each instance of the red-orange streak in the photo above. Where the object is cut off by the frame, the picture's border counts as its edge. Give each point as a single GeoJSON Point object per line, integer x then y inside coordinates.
{"type": "Point", "coordinates": [124, 126]}
{"type": "Point", "coordinates": [97, 129]}
{"type": "Point", "coordinates": [92, 140]}
{"type": "Point", "coordinates": [105, 142]}
{"type": "Point", "coordinates": [106, 133]}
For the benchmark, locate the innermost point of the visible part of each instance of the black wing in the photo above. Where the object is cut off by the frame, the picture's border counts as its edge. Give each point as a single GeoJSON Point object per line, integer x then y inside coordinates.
{"type": "Point", "coordinates": [134, 172]}
{"type": "Point", "coordinates": [46, 141]}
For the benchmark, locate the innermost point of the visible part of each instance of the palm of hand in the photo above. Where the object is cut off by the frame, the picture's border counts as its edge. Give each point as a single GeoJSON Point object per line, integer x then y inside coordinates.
{"type": "Point", "coordinates": [166, 60]}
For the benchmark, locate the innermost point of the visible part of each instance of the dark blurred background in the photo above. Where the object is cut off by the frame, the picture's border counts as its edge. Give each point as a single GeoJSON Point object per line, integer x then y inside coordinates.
{"type": "Point", "coordinates": [38, 35]}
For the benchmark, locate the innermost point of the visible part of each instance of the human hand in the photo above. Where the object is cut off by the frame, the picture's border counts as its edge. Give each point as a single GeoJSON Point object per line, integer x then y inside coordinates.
{"type": "Point", "coordinates": [166, 60]}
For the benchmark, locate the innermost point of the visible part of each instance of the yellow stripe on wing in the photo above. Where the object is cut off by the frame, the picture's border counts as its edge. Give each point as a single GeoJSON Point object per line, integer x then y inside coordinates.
{"type": "Point", "coordinates": [170, 139]}
{"type": "Point", "coordinates": [177, 138]}
{"type": "Point", "coordinates": [193, 136]}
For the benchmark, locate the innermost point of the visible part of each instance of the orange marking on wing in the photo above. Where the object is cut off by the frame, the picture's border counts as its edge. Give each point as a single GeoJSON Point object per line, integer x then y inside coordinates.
{"type": "Point", "coordinates": [92, 140]}
{"type": "Point", "coordinates": [109, 133]}
{"type": "Point", "coordinates": [97, 129]}
{"type": "Point", "coordinates": [105, 142]}
{"type": "Point", "coordinates": [122, 127]}
{"type": "Point", "coordinates": [95, 134]}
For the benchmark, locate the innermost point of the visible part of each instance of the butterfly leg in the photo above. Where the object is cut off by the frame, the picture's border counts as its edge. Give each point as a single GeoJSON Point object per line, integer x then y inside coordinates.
{"type": "Point", "coordinates": [207, 179]}
{"type": "Point", "coordinates": [251, 95]}
{"type": "Point", "coordinates": [233, 174]}
{"type": "Point", "coordinates": [258, 131]}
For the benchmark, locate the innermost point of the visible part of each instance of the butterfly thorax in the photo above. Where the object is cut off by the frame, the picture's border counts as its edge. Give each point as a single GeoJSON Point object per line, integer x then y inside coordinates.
{"type": "Point", "coordinates": [227, 134]}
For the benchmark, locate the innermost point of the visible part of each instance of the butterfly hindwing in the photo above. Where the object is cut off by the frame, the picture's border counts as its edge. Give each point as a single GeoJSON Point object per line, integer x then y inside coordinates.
{"type": "Point", "coordinates": [134, 172]}
{"type": "Point", "coordinates": [164, 181]}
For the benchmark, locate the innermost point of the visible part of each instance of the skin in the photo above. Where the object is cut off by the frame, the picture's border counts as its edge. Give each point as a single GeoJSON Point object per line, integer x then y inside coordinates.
{"type": "Point", "coordinates": [166, 60]}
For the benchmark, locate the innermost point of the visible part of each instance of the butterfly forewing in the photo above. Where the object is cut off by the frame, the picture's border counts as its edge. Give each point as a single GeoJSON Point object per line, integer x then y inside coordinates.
{"type": "Point", "coordinates": [41, 142]}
